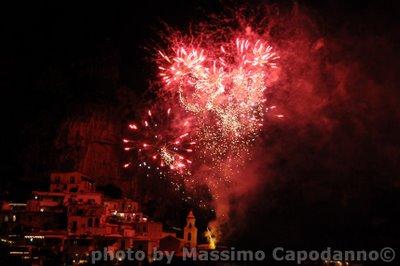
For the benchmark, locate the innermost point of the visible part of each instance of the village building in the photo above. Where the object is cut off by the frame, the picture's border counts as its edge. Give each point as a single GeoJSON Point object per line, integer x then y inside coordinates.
{"type": "Point", "coordinates": [73, 219]}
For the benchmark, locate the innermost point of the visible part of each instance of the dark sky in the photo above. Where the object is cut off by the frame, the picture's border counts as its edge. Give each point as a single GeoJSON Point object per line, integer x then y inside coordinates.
{"type": "Point", "coordinates": [44, 42]}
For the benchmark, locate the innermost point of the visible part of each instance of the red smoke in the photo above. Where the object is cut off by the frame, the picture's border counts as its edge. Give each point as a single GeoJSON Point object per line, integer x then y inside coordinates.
{"type": "Point", "coordinates": [320, 101]}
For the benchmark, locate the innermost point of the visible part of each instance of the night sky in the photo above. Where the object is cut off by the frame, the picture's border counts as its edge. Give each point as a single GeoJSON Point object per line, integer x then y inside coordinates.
{"type": "Point", "coordinates": [331, 173]}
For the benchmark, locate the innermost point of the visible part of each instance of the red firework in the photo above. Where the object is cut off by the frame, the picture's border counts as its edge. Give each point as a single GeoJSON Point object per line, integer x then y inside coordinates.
{"type": "Point", "coordinates": [160, 143]}
{"type": "Point", "coordinates": [223, 86]}
{"type": "Point", "coordinates": [228, 80]}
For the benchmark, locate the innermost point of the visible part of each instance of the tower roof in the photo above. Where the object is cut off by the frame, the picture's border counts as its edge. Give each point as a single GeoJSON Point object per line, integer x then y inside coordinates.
{"type": "Point", "coordinates": [190, 214]}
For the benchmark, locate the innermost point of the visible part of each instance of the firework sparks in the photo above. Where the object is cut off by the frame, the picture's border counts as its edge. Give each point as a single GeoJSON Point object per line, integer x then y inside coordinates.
{"type": "Point", "coordinates": [220, 87]}
{"type": "Point", "coordinates": [218, 78]}
{"type": "Point", "coordinates": [157, 146]}
{"type": "Point", "coordinates": [226, 87]}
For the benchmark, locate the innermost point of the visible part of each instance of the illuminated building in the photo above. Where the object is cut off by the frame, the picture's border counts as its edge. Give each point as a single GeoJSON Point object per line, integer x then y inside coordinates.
{"type": "Point", "coordinates": [74, 219]}
{"type": "Point", "coordinates": [190, 232]}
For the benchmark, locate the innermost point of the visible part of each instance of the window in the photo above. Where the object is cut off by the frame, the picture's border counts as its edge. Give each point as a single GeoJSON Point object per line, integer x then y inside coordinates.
{"type": "Point", "coordinates": [72, 179]}
{"type": "Point", "coordinates": [97, 222]}
{"type": "Point", "coordinates": [90, 222]}
{"type": "Point", "coordinates": [189, 236]}
{"type": "Point", "coordinates": [74, 226]}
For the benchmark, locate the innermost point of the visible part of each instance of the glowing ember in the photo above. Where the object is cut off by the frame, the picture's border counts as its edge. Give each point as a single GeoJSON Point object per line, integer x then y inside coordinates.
{"type": "Point", "coordinates": [211, 238]}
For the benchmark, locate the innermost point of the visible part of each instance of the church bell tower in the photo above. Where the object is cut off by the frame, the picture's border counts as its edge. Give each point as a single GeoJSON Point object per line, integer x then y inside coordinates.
{"type": "Point", "coordinates": [190, 232]}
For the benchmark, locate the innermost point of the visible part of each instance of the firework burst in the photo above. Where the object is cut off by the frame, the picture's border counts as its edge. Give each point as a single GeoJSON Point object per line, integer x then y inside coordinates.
{"type": "Point", "coordinates": [160, 143]}
{"type": "Point", "coordinates": [224, 88]}
{"type": "Point", "coordinates": [215, 79]}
